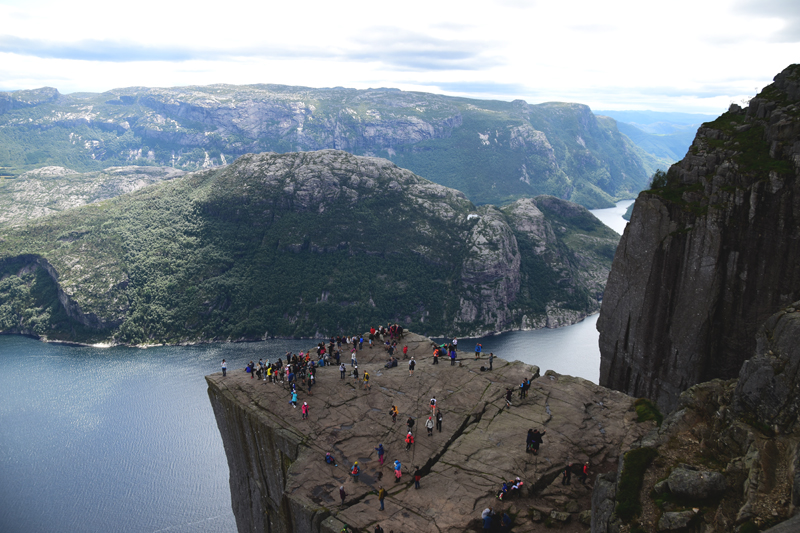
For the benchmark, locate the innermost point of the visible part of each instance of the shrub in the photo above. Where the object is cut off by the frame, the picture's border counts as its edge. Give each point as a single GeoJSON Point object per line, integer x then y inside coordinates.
{"type": "Point", "coordinates": [647, 410]}
{"type": "Point", "coordinates": [630, 483]}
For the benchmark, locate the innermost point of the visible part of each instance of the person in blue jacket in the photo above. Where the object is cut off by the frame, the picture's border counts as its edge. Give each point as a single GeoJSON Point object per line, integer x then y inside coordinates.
{"type": "Point", "coordinates": [380, 453]}
{"type": "Point", "coordinates": [294, 399]}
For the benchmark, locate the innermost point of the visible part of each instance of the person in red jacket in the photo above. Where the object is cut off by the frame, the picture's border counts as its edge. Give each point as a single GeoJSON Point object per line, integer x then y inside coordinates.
{"type": "Point", "coordinates": [409, 441]}
{"type": "Point", "coordinates": [584, 472]}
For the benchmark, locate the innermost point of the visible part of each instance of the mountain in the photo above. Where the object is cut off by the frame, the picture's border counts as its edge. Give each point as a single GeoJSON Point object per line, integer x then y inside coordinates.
{"type": "Point", "coordinates": [711, 251]}
{"type": "Point", "coordinates": [493, 151]}
{"type": "Point", "coordinates": [299, 244]}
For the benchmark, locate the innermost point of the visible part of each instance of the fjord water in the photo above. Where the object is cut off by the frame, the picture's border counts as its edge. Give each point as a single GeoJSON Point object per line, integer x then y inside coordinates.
{"type": "Point", "coordinates": [124, 439]}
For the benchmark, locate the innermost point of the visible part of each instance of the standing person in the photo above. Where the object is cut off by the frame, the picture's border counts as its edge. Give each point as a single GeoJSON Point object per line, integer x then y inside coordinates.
{"type": "Point", "coordinates": [529, 442]}
{"type": "Point", "coordinates": [393, 412]}
{"type": "Point", "coordinates": [410, 423]}
{"type": "Point", "coordinates": [352, 358]}
{"type": "Point", "coordinates": [224, 367]}
{"type": "Point", "coordinates": [455, 344]}
{"type": "Point", "coordinates": [509, 392]}
{"type": "Point", "coordinates": [397, 471]}
{"type": "Point", "coordinates": [367, 386]}
{"type": "Point", "coordinates": [252, 370]}
{"type": "Point", "coordinates": [381, 497]}
{"type": "Point", "coordinates": [380, 453]}
{"type": "Point", "coordinates": [436, 356]}
{"type": "Point", "coordinates": [429, 426]}
{"type": "Point", "coordinates": [411, 365]}
{"type": "Point", "coordinates": [417, 477]}
{"type": "Point", "coordinates": [439, 421]}
{"type": "Point", "coordinates": [304, 409]}
{"type": "Point", "coordinates": [342, 493]}
{"type": "Point", "coordinates": [536, 440]}
{"type": "Point", "coordinates": [409, 441]}
{"type": "Point", "coordinates": [294, 399]}
{"type": "Point", "coordinates": [355, 374]}
{"type": "Point", "coordinates": [491, 358]}
{"type": "Point", "coordinates": [452, 358]}
{"type": "Point", "coordinates": [405, 351]}
{"type": "Point", "coordinates": [584, 475]}
{"type": "Point", "coordinates": [567, 475]}
{"type": "Point", "coordinates": [355, 471]}
{"type": "Point", "coordinates": [478, 348]}
{"type": "Point", "coordinates": [342, 370]}
{"type": "Point", "coordinates": [433, 405]}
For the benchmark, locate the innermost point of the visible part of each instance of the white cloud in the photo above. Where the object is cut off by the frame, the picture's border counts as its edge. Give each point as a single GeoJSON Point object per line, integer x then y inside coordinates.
{"type": "Point", "coordinates": [621, 54]}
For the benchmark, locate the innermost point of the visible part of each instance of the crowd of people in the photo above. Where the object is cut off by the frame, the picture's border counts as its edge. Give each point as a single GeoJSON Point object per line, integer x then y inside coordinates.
{"type": "Point", "coordinates": [300, 370]}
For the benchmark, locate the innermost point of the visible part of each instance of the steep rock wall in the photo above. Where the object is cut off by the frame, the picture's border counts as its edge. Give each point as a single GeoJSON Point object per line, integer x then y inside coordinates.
{"type": "Point", "coordinates": [711, 251]}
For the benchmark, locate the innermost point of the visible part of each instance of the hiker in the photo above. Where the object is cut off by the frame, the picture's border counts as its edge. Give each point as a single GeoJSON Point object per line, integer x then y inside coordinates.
{"type": "Point", "coordinates": [397, 472]}
{"type": "Point", "coordinates": [381, 496]}
{"type": "Point", "coordinates": [436, 356]}
{"type": "Point", "coordinates": [342, 493]}
{"type": "Point", "coordinates": [367, 386]}
{"type": "Point", "coordinates": [355, 471]}
{"type": "Point", "coordinates": [429, 426]}
{"type": "Point", "coordinates": [509, 392]}
{"type": "Point", "coordinates": [567, 474]}
{"type": "Point", "coordinates": [478, 349]}
{"type": "Point", "coordinates": [224, 367]}
{"type": "Point", "coordinates": [584, 473]}
{"type": "Point", "coordinates": [409, 441]}
{"type": "Point", "coordinates": [342, 370]}
{"type": "Point", "coordinates": [304, 409]}
{"type": "Point", "coordinates": [405, 352]}
{"type": "Point", "coordinates": [410, 423]}
{"type": "Point", "coordinates": [491, 358]}
{"type": "Point", "coordinates": [293, 401]}
{"type": "Point", "coordinates": [380, 453]}
{"type": "Point", "coordinates": [536, 440]}
{"type": "Point", "coordinates": [529, 442]}
{"type": "Point", "coordinates": [329, 459]}
{"type": "Point", "coordinates": [439, 421]}
{"type": "Point", "coordinates": [452, 358]}
{"type": "Point", "coordinates": [433, 405]}
{"type": "Point", "coordinates": [393, 412]}
{"type": "Point", "coordinates": [417, 477]}
{"type": "Point", "coordinates": [355, 373]}
{"type": "Point", "coordinates": [411, 365]}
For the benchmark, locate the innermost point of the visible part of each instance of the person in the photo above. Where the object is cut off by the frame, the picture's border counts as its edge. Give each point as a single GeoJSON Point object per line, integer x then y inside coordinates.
{"type": "Point", "coordinates": [429, 425]}
{"type": "Point", "coordinates": [478, 348]}
{"type": "Point", "coordinates": [249, 369]}
{"type": "Point", "coordinates": [397, 471]}
{"type": "Point", "coordinates": [505, 523]}
{"type": "Point", "coordinates": [381, 496]}
{"type": "Point", "coordinates": [342, 493]}
{"type": "Point", "coordinates": [436, 356]}
{"type": "Point", "coordinates": [360, 342]}
{"type": "Point", "coordinates": [409, 441]}
{"type": "Point", "coordinates": [393, 412]}
{"type": "Point", "coordinates": [329, 459]}
{"type": "Point", "coordinates": [536, 440]}
{"type": "Point", "coordinates": [367, 386]}
{"type": "Point", "coordinates": [224, 367]}
{"type": "Point", "coordinates": [584, 472]}
{"type": "Point", "coordinates": [355, 471]}
{"type": "Point", "coordinates": [304, 409]}
{"type": "Point", "coordinates": [379, 529]}
{"type": "Point", "coordinates": [355, 373]}
{"type": "Point", "coordinates": [380, 453]}
{"type": "Point", "coordinates": [567, 475]}
{"type": "Point", "coordinates": [452, 358]}
{"type": "Point", "coordinates": [433, 405]}
{"type": "Point", "coordinates": [294, 399]}
{"type": "Point", "coordinates": [491, 358]}
{"type": "Point", "coordinates": [405, 352]}
{"type": "Point", "coordinates": [417, 477]}
{"type": "Point", "coordinates": [487, 519]}
{"type": "Point", "coordinates": [342, 370]}
{"type": "Point", "coordinates": [439, 421]}
{"type": "Point", "coordinates": [509, 392]}
{"type": "Point", "coordinates": [411, 365]}
{"type": "Point", "coordinates": [410, 423]}
{"type": "Point", "coordinates": [455, 344]}
{"type": "Point", "coordinates": [529, 442]}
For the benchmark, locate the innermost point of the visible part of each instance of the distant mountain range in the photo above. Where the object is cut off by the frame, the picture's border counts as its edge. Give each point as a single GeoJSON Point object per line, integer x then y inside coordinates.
{"type": "Point", "coordinates": [492, 151]}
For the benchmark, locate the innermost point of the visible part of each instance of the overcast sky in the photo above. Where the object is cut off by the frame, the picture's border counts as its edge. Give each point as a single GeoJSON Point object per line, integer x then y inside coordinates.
{"type": "Point", "coordinates": [678, 55]}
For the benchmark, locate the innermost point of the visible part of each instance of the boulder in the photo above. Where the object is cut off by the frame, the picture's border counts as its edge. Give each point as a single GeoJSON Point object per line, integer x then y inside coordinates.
{"type": "Point", "coordinates": [688, 482]}
{"type": "Point", "coordinates": [675, 521]}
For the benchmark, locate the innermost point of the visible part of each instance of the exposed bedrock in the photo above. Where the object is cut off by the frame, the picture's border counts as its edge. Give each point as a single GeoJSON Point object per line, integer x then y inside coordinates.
{"type": "Point", "coordinates": [281, 483]}
{"type": "Point", "coordinates": [709, 254]}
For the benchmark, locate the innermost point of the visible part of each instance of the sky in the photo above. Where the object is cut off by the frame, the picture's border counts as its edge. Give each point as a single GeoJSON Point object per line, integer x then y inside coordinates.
{"type": "Point", "coordinates": [695, 56]}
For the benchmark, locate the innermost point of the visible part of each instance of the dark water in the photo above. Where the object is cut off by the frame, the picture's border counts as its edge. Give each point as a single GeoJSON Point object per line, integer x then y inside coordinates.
{"type": "Point", "coordinates": [124, 439]}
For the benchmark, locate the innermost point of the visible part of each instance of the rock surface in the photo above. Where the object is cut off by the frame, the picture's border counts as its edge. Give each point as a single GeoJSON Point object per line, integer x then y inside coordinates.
{"type": "Point", "coordinates": [709, 253]}
{"type": "Point", "coordinates": [280, 482]}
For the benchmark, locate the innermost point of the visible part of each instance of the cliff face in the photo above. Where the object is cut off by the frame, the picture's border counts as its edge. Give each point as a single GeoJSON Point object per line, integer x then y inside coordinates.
{"type": "Point", "coordinates": [492, 151]}
{"type": "Point", "coordinates": [300, 244]}
{"type": "Point", "coordinates": [711, 251]}
{"type": "Point", "coordinates": [281, 483]}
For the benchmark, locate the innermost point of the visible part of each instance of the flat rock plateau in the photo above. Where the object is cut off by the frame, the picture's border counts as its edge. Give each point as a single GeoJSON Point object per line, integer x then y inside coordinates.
{"type": "Point", "coordinates": [281, 483]}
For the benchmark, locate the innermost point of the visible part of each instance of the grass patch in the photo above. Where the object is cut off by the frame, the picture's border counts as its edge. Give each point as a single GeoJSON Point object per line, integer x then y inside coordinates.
{"type": "Point", "coordinates": [647, 410]}
{"type": "Point", "coordinates": [636, 462]}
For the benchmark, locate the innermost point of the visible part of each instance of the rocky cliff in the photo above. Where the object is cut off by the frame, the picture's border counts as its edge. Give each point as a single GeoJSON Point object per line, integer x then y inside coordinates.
{"type": "Point", "coordinates": [726, 460]}
{"type": "Point", "coordinates": [281, 483]}
{"type": "Point", "coordinates": [712, 250]}
{"type": "Point", "coordinates": [492, 151]}
{"type": "Point", "coordinates": [300, 244]}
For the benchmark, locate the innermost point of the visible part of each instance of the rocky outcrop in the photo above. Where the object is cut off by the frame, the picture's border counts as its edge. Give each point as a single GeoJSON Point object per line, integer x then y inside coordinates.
{"type": "Point", "coordinates": [281, 483]}
{"type": "Point", "coordinates": [298, 244]}
{"type": "Point", "coordinates": [711, 251]}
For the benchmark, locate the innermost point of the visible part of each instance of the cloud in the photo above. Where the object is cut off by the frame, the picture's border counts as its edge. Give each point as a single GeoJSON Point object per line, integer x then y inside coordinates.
{"type": "Point", "coordinates": [407, 50]}
{"type": "Point", "coordinates": [481, 87]}
{"type": "Point", "coordinates": [786, 10]}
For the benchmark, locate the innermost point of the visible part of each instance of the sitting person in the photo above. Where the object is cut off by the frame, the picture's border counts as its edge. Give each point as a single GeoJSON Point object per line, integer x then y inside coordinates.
{"type": "Point", "coordinates": [329, 459]}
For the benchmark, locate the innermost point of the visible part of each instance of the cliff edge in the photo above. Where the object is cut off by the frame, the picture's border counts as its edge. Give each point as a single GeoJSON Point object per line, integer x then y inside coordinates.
{"type": "Point", "coordinates": [711, 251]}
{"type": "Point", "coordinates": [280, 481]}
